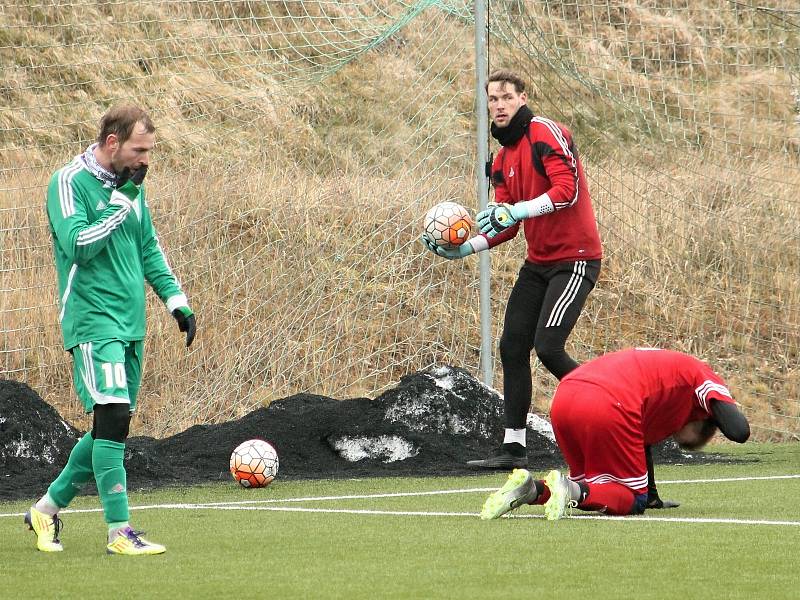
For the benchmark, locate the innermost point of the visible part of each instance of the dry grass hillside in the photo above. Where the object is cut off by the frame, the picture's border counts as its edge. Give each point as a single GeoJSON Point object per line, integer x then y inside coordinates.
{"type": "Point", "coordinates": [300, 143]}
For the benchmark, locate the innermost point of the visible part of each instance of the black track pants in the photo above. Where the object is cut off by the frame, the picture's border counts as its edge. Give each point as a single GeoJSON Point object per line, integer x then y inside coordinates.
{"type": "Point", "coordinates": [542, 310]}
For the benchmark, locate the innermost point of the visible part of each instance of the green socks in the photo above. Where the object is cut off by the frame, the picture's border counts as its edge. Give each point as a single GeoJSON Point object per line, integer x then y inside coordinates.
{"type": "Point", "coordinates": [77, 472]}
{"type": "Point", "coordinates": [103, 460]}
{"type": "Point", "coordinates": [109, 473]}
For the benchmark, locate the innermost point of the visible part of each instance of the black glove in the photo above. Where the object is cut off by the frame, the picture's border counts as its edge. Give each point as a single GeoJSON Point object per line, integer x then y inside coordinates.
{"type": "Point", "coordinates": [186, 322]}
{"type": "Point", "coordinates": [653, 500]}
{"type": "Point", "coordinates": [135, 177]}
{"type": "Point", "coordinates": [656, 502]}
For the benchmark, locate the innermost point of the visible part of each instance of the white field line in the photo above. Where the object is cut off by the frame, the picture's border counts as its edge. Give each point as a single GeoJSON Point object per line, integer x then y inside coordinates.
{"type": "Point", "coordinates": [415, 513]}
{"type": "Point", "coordinates": [412, 513]}
{"type": "Point", "coordinates": [251, 505]}
{"type": "Point", "coordinates": [728, 479]}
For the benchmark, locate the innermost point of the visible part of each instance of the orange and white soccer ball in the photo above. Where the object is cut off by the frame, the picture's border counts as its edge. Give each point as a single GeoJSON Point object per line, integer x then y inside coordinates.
{"type": "Point", "coordinates": [254, 463]}
{"type": "Point", "coordinates": [448, 225]}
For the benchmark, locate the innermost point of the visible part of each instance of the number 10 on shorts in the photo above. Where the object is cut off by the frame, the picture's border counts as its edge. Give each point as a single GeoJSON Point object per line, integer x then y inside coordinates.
{"type": "Point", "coordinates": [114, 374]}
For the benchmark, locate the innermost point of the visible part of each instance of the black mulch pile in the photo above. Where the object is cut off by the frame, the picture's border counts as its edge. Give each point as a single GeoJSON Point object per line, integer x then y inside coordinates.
{"type": "Point", "coordinates": [429, 424]}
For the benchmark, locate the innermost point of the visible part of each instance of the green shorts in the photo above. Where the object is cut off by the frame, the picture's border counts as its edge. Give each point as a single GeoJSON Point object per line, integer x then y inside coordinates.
{"type": "Point", "coordinates": [107, 372]}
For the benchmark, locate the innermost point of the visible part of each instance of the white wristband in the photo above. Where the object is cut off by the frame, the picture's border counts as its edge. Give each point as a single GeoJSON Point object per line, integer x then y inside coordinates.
{"type": "Point", "coordinates": [535, 208]}
{"type": "Point", "coordinates": [479, 243]}
{"type": "Point", "coordinates": [176, 301]}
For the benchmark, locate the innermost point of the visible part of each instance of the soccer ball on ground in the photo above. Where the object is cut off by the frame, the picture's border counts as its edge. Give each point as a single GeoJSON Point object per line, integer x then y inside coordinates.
{"type": "Point", "coordinates": [254, 463]}
{"type": "Point", "coordinates": [448, 225]}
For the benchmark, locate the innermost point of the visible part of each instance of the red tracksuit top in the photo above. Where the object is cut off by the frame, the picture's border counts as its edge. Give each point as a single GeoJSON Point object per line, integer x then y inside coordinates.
{"type": "Point", "coordinates": [545, 160]}
{"type": "Point", "coordinates": [658, 391]}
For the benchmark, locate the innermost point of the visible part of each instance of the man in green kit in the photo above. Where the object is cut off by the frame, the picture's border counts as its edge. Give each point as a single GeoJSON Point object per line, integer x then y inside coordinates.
{"type": "Point", "coordinates": [105, 249]}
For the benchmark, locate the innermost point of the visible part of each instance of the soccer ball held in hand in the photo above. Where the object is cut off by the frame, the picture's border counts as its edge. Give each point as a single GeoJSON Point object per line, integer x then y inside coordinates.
{"type": "Point", "coordinates": [448, 225]}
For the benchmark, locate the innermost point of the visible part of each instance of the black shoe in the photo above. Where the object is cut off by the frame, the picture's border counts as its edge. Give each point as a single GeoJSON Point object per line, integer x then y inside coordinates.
{"type": "Point", "coordinates": [508, 456]}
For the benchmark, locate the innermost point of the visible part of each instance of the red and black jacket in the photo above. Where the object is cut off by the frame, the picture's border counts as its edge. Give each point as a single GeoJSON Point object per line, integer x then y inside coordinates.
{"type": "Point", "coordinates": [545, 160]}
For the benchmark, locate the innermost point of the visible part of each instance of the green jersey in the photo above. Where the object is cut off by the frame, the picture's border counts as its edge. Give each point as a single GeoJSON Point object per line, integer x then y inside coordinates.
{"type": "Point", "coordinates": [105, 249]}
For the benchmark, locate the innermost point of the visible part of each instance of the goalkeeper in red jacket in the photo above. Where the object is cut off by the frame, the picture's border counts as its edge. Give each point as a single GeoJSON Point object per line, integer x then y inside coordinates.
{"type": "Point", "coordinates": [540, 185]}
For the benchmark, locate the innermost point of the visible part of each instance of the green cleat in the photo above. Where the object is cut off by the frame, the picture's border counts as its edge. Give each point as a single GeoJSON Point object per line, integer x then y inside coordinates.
{"type": "Point", "coordinates": [516, 491]}
{"type": "Point", "coordinates": [131, 543]}
{"type": "Point", "coordinates": [560, 504]}
{"type": "Point", "coordinates": [46, 529]}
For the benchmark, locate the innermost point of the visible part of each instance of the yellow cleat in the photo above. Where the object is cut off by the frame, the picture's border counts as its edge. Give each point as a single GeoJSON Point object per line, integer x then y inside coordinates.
{"type": "Point", "coordinates": [131, 543]}
{"type": "Point", "coordinates": [46, 529]}
{"type": "Point", "coordinates": [517, 490]}
{"type": "Point", "coordinates": [560, 504]}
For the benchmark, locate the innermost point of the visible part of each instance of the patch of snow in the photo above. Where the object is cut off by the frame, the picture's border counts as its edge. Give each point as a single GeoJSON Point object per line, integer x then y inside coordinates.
{"type": "Point", "coordinates": [444, 378]}
{"type": "Point", "coordinates": [490, 388]}
{"type": "Point", "coordinates": [388, 448]}
{"type": "Point", "coordinates": [541, 426]}
{"type": "Point", "coordinates": [20, 449]}
{"type": "Point", "coordinates": [409, 413]}
{"type": "Point", "coordinates": [441, 371]}
{"type": "Point", "coordinates": [416, 414]}
{"type": "Point", "coordinates": [458, 425]}
{"type": "Point", "coordinates": [24, 449]}
{"type": "Point", "coordinates": [446, 383]}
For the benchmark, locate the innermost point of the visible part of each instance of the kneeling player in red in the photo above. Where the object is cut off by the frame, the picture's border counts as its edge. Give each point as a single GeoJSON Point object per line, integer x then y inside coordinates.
{"type": "Point", "coordinates": [604, 413]}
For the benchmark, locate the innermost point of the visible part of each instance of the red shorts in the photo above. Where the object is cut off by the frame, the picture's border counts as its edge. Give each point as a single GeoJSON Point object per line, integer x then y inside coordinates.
{"type": "Point", "coordinates": [601, 441]}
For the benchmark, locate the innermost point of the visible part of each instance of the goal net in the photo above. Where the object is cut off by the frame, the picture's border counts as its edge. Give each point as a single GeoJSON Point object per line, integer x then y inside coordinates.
{"type": "Point", "coordinates": [299, 145]}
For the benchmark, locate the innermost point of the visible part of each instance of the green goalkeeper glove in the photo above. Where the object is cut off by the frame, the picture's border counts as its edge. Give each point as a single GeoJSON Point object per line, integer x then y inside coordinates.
{"type": "Point", "coordinates": [186, 322]}
{"type": "Point", "coordinates": [496, 218]}
{"type": "Point", "coordinates": [454, 253]}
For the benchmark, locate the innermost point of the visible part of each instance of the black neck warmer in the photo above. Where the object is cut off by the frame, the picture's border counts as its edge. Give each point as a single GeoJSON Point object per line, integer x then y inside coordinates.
{"type": "Point", "coordinates": [511, 133]}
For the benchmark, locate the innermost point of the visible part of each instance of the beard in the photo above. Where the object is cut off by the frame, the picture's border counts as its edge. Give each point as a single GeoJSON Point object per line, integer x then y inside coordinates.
{"type": "Point", "coordinates": [116, 163]}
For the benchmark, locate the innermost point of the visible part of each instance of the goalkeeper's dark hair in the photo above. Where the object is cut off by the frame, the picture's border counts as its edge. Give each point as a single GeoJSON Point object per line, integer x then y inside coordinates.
{"type": "Point", "coordinates": [120, 120]}
{"type": "Point", "coordinates": [506, 76]}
